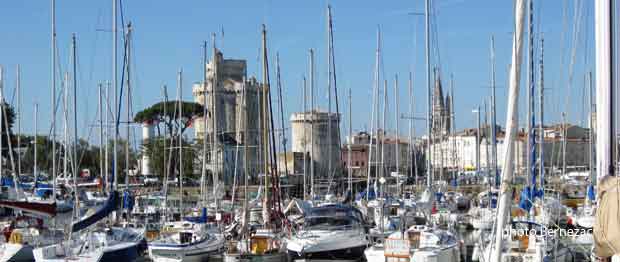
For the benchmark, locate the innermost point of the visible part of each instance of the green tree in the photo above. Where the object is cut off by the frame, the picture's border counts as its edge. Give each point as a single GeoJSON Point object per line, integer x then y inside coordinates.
{"type": "Point", "coordinates": [8, 119]}
{"type": "Point", "coordinates": [120, 155]}
{"type": "Point", "coordinates": [162, 154]}
{"type": "Point", "coordinates": [166, 115]}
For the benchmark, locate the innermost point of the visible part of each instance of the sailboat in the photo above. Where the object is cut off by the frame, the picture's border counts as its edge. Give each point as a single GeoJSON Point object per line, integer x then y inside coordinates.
{"type": "Point", "coordinates": [184, 240]}
{"type": "Point", "coordinates": [87, 239]}
{"type": "Point", "coordinates": [509, 240]}
{"type": "Point", "coordinates": [263, 241]}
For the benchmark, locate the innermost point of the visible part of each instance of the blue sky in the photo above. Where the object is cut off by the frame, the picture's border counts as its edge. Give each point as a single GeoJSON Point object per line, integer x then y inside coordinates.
{"type": "Point", "coordinates": [168, 36]}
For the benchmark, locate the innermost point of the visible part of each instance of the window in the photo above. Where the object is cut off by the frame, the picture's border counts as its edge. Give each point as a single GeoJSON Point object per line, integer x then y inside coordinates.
{"type": "Point", "coordinates": [357, 163]}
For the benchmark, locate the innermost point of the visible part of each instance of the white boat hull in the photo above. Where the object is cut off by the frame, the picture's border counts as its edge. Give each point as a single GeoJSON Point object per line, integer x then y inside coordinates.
{"type": "Point", "coordinates": [16, 252]}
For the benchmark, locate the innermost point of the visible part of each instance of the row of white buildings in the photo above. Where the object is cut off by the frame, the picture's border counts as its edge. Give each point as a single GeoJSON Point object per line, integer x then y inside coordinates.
{"type": "Point", "coordinates": [458, 151]}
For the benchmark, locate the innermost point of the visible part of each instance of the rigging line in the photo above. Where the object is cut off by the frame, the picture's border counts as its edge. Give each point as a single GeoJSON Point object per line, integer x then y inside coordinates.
{"type": "Point", "coordinates": [562, 45]}
{"type": "Point", "coordinates": [574, 45]}
{"type": "Point", "coordinates": [120, 98]}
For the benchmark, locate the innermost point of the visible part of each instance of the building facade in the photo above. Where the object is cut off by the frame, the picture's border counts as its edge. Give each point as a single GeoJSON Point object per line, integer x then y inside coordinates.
{"type": "Point", "coordinates": [311, 134]}
{"type": "Point", "coordinates": [227, 93]}
{"type": "Point", "coordinates": [458, 152]}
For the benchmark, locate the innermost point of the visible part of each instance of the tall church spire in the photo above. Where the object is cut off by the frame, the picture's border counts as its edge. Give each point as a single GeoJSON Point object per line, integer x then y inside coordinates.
{"type": "Point", "coordinates": [438, 108]}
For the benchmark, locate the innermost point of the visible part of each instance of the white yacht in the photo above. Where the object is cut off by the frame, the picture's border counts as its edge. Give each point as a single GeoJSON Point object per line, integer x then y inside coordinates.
{"type": "Point", "coordinates": [418, 243]}
{"type": "Point", "coordinates": [331, 232]}
{"type": "Point", "coordinates": [185, 241]}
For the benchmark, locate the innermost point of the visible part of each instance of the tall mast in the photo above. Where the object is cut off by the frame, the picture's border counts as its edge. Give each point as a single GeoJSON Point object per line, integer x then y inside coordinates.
{"type": "Point", "coordinates": [478, 136]}
{"type": "Point", "coordinates": [128, 101]}
{"type": "Point", "coordinates": [350, 169]}
{"type": "Point", "coordinates": [180, 105]}
{"type": "Point", "coordinates": [452, 117]}
{"type": "Point", "coordinates": [75, 132]}
{"type": "Point", "coordinates": [53, 40]}
{"type": "Point", "coordinates": [65, 111]}
{"type": "Point", "coordinates": [511, 131]}
{"type": "Point", "coordinates": [541, 114]}
{"type": "Point", "coordinates": [329, 96]}
{"type": "Point", "coordinates": [265, 115]}
{"type": "Point", "coordinates": [203, 175]}
{"type": "Point", "coordinates": [493, 121]}
{"type": "Point", "coordinates": [19, 118]}
{"type": "Point", "coordinates": [245, 157]}
{"type": "Point", "coordinates": [312, 158]}
{"type": "Point", "coordinates": [107, 134]}
{"type": "Point", "coordinates": [214, 155]}
{"type": "Point", "coordinates": [412, 155]}
{"type": "Point", "coordinates": [36, 133]}
{"type": "Point", "coordinates": [429, 168]}
{"type": "Point", "coordinates": [486, 145]}
{"type": "Point", "coordinates": [591, 133]}
{"type": "Point", "coordinates": [305, 185]}
{"type": "Point", "coordinates": [384, 127]}
{"type": "Point", "coordinates": [281, 112]}
{"type": "Point", "coordinates": [605, 93]}
{"type": "Point", "coordinates": [530, 96]}
{"type": "Point", "coordinates": [396, 112]}
{"type": "Point", "coordinates": [374, 128]}
{"type": "Point", "coordinates": [115, 86]}
{"type": "Point", "coordinates": [101, 141]}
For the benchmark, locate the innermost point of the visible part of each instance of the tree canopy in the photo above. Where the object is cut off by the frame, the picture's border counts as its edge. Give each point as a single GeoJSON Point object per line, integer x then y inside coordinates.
{"type": "Point", "coordinates": [168, 114]}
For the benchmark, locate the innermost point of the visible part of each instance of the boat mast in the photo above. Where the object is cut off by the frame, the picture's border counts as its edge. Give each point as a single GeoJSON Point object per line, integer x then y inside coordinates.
{"type": "Point", "coordinates": [19, 118]}
{"type": "Point", "coordinates": [203, 183]}
{"type": "Point", "coordinates": [305, 139]}
{"type": "Point", "coordinates": [541, 129]}
{"type": "Point", "coordinates": [350, 167]}
{"type": "Point", "coordinates": [493, 118]}
{"type": "Point", "coordinates": [279, 83]}
{"type": "Point", "coordinates": [452, 127]}
{"type": "Point", "coordinates": [396, 112]}
{"type": "Point", "coordinates": [412, 155]}
{"type": "Point", "coordinates": [530, 98]}
{"type": "Point", "coordinates": [312, 157]}
{"type": "Point", "coordinates": [214, 154]}
{"type": "Point", "coordinates": [605, 93]}
{"type": "Point", "coordinates": [116, 105]}
{"type": "Point", "coordinates": [429, 168]}
{"type": "Point", "coordinates": [65, 111]}
{"type": "Point", "coordinates": [53, 40]}
{"type": "Point", "coordinates": [245, 157]}
{"type": "Point", "coordinates": [478, 139]}
{"type": "Point", "coordinates": [36, 133]}
{"type": "Point", "coordinates": [591, 133]}
{"type": "Point", "coordinates": [180, 105]}
{"type": "Point", "coordinates": [101, 150]}
{"type": "Point", "coordinates": [383, 168]}
{"type": "Point", "coordinates": [75, 132]}
{"type": "Point", "coordinates": [487, 140]}
{"type": "Point", "coordinates": [128, 101]}
{"type": "Point", "coordinates": [107, 133]}
{"type": "Point", "coordinates": [265, 122]}
{"type": "Point", "coordinates": [511, 131]}
{"type": "Point", "coordinates": [329, 98]}
{"type": "Point", "coordinates": [374, 128]}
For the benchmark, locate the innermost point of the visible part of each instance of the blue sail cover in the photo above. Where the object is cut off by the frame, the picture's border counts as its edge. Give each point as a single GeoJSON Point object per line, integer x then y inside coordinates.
{"type": "Point", "coordinates": [201, 219]}
{"type": "Point", "coordinates": [128, 200]}
{"type": "Point", "coordinates": [526, 199]}
{"type": "Point", "coordinates": [591, 193]}
{"type": "Point", "coordinates": [362, 195]}
{"type": "Point", "coordinates": [105, 210]}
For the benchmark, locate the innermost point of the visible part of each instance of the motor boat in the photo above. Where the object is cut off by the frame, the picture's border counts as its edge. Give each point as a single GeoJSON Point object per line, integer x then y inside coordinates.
{"type": "Point", "coordinates": [330, 232]}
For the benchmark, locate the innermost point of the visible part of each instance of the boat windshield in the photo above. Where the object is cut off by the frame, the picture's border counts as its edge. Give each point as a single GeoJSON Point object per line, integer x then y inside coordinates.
{"type": "Point", "coordinates": [328, 222]}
